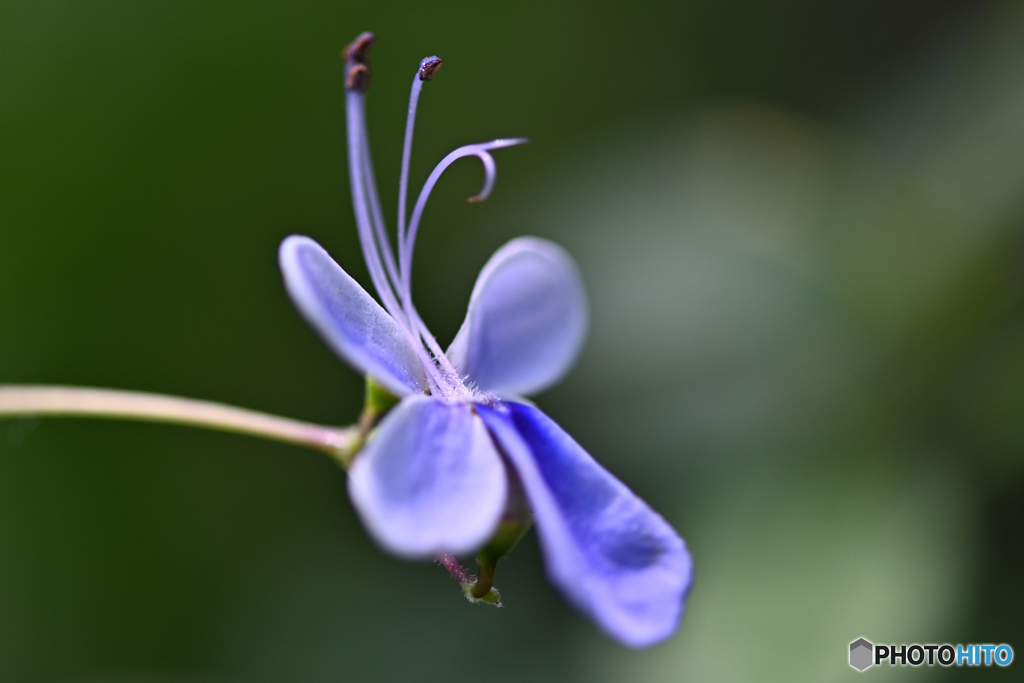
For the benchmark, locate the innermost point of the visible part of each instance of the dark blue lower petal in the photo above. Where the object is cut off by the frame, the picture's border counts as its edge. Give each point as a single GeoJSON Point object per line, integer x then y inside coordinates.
{"type": "Point", "coordinates": [610, 553]}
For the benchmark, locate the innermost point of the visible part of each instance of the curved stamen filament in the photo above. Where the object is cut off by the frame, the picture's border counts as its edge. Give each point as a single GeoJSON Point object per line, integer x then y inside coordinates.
{"type": "Point", "coordinates": [490, 175]}
{"type": "Point", "coordinates": [406, 239]}
{"type": "Point", "coordinates": [431, 343]}
{"type": "Point", "coordinates": [373, 238]}
{"type": "Point", "coordinates": [393, 281]}
{"type": "Point", "coordinates": [363, 204]}
{"type": "Point", "coordinates": [428, 67]}
{"type": "Point", "coordinates": [479, 150]}
{"type": "Point", "coordinates": [377, 215]}
{"type": "Point", "coordinates": [403, 178]}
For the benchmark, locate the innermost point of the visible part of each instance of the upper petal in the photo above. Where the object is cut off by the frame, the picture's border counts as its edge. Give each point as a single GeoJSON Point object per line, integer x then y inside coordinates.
{"type": "Point", "coordinates": [348, 318]}
{"type": "Point", "coordinates": [609, 552]}
{"type": "Point", "coordinates": [526, 321]}
{"type": "Point", "coordinates": [430, 481]}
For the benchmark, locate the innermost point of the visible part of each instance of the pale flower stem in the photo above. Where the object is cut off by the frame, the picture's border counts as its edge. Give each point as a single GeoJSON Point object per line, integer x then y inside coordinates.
{"type": "Point", "coordinates": [29, 400]}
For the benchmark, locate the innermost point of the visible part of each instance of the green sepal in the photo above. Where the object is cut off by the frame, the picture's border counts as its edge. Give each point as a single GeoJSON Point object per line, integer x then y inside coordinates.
{"type": "Point", "coordinates": [376, 402]}
{"type": "Point", "coordinates": [510, 531]}
{"type": "Point", "coordinates": [492, 597]}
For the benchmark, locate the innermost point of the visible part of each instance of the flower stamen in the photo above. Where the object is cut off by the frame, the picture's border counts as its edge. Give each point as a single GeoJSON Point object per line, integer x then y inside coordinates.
{"type": "Point", "coordinates": [391, 277]}
{"type": "Point", "coordinates": [428, 67]}
{"type": "Point", "coordinates": [481, 151]}
{"type": "Point", "coordinates": [377, 215]}
{"type": "Point", "coordinates": [366, 202]}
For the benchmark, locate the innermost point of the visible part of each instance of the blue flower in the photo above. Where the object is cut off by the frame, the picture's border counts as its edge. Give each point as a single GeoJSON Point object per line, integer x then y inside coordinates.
{"type": "Point", "coordinates": [461, 453]}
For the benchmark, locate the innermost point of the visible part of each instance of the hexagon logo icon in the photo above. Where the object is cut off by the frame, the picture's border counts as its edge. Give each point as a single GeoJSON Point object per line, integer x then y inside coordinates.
{"type": "Point", "coordinates": [861, 654]}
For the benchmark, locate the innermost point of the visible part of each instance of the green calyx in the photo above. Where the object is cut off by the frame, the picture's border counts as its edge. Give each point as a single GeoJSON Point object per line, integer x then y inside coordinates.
{"type": "Point", "coordinates": [510, 530]}
{"type": "Point", "coordinates": [491, 597]}
{"type": "Point", "coordinates": [376, 402]}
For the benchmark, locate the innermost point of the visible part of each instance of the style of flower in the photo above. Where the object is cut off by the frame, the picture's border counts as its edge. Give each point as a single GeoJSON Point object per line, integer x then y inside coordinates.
{"type": "Point", "coordinates": [462, 463]}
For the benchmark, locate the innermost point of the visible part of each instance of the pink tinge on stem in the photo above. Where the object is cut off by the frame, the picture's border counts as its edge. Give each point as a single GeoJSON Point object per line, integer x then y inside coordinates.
{"type": "Point", "coordinates": [455, 568]}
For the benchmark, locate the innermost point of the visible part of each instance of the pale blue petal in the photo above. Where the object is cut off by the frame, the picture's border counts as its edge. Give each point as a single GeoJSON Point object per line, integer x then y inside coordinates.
{"type": "Point", "coordinates": [526, 322]}
{"type": "Point", "coordinates": [614, 557]}
{"type": "Point", "coordinates": [348, 319]}
{"type": "Point", "coordinates": [430, 481]}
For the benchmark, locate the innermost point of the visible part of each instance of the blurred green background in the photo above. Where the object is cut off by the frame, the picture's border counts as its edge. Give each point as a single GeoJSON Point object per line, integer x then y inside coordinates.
{"type": "Point", "coordinates": [801, 225]}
